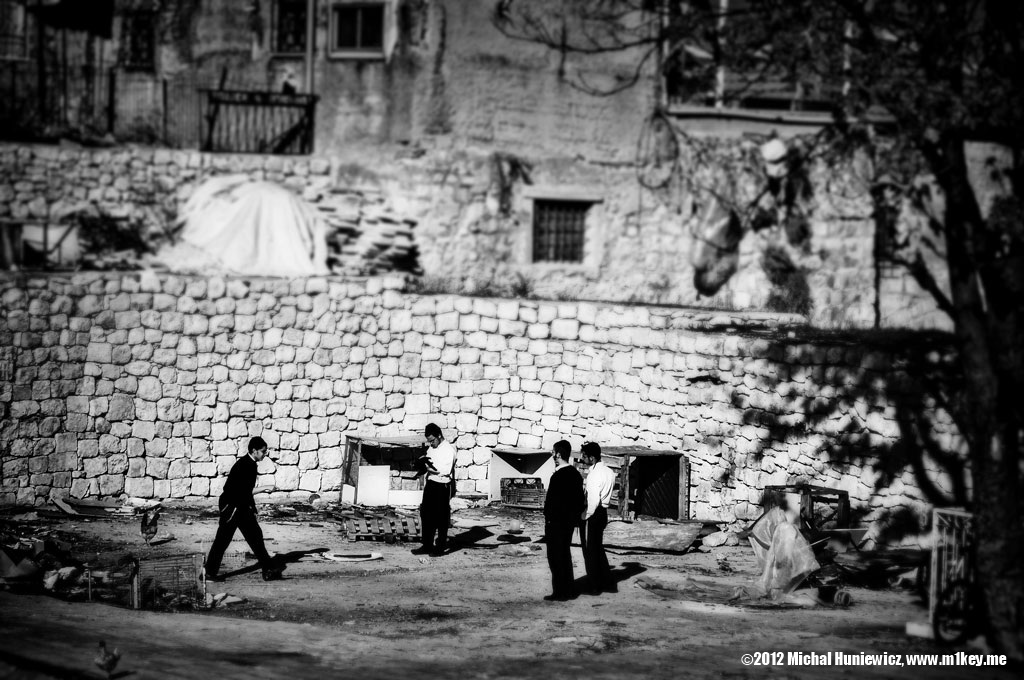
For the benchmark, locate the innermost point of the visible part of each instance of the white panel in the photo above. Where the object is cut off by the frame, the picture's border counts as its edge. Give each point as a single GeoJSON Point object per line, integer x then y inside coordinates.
{"type": "Point", "coordinates": [374, 481]}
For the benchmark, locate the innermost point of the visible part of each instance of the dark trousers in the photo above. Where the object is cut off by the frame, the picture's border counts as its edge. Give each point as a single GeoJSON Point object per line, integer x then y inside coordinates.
{"type": "Point", "coordinates": [243, 518]}
{"type": "Point", "coordinates": [558, 536]}
{"type": "Point", "coordinates": [435, 514]}
{"type": "Point", "coordinates": [599, 573]}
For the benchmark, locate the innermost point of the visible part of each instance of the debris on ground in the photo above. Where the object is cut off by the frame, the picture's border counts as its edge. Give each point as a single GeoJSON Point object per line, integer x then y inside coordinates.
{"type": "Point", "coordinates": [81, 507]}
{"type": "Point", "coordinates": [222, 600]}
{"type": "Point", "coordinates": [652, 535]}
{"type": "Point", "coordinates": [884, 568]}
{"type": "Point", "coordinates": [343, 557]}
{"type": "Point", "coordinates": [516, 549]}
{"type": "Point", "coordinates": [720, 538]}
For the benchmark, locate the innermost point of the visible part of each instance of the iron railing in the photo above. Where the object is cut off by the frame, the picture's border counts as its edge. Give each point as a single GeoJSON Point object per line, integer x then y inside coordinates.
{"type": "Point", "coordinates": [259, 122]}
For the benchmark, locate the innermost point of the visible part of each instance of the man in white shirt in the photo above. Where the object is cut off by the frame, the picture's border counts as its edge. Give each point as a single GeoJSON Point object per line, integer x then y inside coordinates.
{"type": "Point", "coordinates": [599, 486]}
{"type": "Point", "coordinates": [435, 509]}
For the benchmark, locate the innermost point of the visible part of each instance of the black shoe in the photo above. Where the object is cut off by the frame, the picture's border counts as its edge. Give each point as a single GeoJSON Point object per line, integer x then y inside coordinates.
{"type": "Point", "coordinates": [214, 578]}
{"type": "Point", "coordinates": [422, 550]}
{"type": "Point", "coordinates": [273, 574]}
{"type": "Point", "coordinates": [559, 598]}
{"type": "Point", "coordinates": [438, 552]}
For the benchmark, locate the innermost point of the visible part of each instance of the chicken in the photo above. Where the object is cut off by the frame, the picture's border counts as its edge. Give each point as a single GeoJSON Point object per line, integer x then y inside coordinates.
{"type": "Point", "coordinates": [106, 660]}
{"type": "Point", "coordinates": [149, 523]}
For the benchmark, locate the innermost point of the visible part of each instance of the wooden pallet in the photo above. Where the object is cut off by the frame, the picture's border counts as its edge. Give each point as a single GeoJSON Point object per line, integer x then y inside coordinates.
{"type": "Point", "coordinates": [388, 529]}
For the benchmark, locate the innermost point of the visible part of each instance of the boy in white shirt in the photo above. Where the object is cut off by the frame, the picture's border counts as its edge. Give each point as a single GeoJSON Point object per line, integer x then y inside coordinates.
{"type": "Point", "coordinates": [599, 486]}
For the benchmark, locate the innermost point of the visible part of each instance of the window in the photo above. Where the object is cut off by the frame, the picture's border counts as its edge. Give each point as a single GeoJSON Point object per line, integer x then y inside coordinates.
{"type": "Point", "coordinates": [13, 31]}
{"type": "Point", "coordinates": [357, 29]}
{"type": "Point", "coordinates": [737, 60]}
{"type": "Point", "coordinates": [289, 25]}
{"type": "Point", "coordinates": [138, 41]}
{"type": "Point", "coordinates": [558, 230]}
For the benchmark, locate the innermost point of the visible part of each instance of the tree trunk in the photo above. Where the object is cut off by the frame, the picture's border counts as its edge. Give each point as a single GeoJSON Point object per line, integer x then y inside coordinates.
{"type": "Point", "coordinates": [1000, 542]}
{"type": "Point", "coordinates": [989, 332]}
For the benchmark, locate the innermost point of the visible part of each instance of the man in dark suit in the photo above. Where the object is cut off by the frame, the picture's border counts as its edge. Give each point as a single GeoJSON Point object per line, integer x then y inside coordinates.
{"type": "Point", "coordinates": [563, 506]}
{"type": "Point", "coordinates": [238, 511]}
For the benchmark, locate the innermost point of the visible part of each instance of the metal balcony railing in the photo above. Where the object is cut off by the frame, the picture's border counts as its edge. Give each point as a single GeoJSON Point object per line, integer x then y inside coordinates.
{"type": "Point", "coordinates": [259, 122]}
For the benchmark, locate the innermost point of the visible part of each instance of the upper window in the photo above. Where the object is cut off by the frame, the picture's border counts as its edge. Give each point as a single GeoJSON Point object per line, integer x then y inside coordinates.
{"type": "Point", "coordinates": [735, 60]}
{"type": "Point", "coordinates": [559, 228]}
{"type": "Point", "coordinates": [289, 26]}
{"type": "Point", "coordinates": [13, 30]}
{"type": "Point", "coordinates": [138, 41]}
{"type": "Point", "coordinates": [357, 29]}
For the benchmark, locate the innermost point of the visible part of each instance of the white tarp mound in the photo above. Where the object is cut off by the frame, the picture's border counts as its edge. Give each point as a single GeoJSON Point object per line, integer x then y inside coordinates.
{"type": "Point", "coordinates": [236, 225]}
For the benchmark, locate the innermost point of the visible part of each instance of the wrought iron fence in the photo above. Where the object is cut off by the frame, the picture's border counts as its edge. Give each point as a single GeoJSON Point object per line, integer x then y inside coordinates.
{"type": "Point", "coordinates": [952, 537]}
{"type": "Point", "coordinates": [51, 99]}
{"type": "Point", "coordinates": [259, 122]}
{"type": "Point", "coordinates": [189, 110]}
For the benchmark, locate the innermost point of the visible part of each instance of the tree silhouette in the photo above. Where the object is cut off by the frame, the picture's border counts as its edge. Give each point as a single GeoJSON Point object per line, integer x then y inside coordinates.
{"type": "Point", "coordinates": [946, 73]}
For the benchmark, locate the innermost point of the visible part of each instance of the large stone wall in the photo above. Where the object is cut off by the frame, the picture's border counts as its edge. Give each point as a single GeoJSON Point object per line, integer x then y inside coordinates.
{"type": "Point", "coordinates": [147, 385]}
{"type": "Point", "coordinates": [448, 204]}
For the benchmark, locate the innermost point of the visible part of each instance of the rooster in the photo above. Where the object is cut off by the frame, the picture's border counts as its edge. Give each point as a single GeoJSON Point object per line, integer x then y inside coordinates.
{"type": "Point", "coordinates": [149, 523]}
{"type": "Point", "coordinates": [106, 660]}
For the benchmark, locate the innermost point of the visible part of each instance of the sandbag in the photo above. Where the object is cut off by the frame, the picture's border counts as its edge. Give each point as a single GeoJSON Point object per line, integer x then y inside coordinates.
{"type": "Point", "coordinates": [715, 255]}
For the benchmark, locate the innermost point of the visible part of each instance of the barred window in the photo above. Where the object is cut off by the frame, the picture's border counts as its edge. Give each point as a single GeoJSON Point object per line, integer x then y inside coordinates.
{"type": "Point", "coordinates": [558, 230]}
{"type": "Point", "coordinates": [13, 30]}
{"type": "Point", "coordinates": [357, 28]}
{"type": "Point", "coordinates": [138, 41]}
{"type": "Point", "coordinates": [289, 24]}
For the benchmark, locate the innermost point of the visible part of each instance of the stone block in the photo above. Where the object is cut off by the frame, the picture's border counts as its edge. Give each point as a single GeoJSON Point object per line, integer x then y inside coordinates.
{"type": "Point", "coordinates": [140, 487]}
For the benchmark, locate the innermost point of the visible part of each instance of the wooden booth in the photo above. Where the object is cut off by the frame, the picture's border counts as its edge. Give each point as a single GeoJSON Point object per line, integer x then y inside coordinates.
{"type": "Point", "coordinates": [383, 470]}
{"type": "Point", "coordinates": [519, 476]}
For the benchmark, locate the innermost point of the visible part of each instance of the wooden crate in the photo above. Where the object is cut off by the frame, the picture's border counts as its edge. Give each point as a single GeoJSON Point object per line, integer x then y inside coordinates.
{"type": "Point", "coordinates": [380, 528]}
{"type": "Point", "coordinates": [522, 492]}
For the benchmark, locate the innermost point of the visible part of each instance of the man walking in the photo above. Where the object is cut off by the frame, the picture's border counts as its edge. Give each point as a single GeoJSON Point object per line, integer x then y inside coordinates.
{"type": "Point", "coordinates": [238, 511]}
{"type": "Point", "coordinates": [599, 486]}
{"type": "Point", "coordinates": [563, 504]}
{"type": "Point", "coordinates": [435, 509]}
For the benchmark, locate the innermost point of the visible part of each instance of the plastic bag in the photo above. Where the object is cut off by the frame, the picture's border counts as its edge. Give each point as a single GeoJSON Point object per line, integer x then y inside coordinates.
{"type": "Point", "coordinates": [783, 554]}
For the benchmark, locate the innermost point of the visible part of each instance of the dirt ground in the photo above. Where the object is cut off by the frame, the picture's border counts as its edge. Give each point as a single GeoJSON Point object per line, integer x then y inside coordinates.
{"type": "Point", "coordinates": [474, 613]}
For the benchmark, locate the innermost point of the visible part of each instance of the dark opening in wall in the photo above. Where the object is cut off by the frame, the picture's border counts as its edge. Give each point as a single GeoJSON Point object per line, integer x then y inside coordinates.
{"type": "Point", "coordinates": [559, 228]}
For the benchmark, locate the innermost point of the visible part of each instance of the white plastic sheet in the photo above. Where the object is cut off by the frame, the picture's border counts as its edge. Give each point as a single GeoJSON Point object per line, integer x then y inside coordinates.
{"type": "Point", "coordinates": [783, 554]}
{"type": "Point", "coordinates": [239, 226]}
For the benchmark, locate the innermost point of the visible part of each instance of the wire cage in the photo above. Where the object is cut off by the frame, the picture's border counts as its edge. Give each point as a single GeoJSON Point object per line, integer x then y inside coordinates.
{"type": "Point", "coordinates": [522, 492]}
{"type": "Point", "coordinates": [172, 582]}
{"type": "Point", "coordinates": [952, 538]}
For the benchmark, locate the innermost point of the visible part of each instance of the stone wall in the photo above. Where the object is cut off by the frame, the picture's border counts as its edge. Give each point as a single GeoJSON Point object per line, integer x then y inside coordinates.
{"type": "Point", "coordinates": [448, 205]}
{"type": "Point", "coordinates": [147, 385]}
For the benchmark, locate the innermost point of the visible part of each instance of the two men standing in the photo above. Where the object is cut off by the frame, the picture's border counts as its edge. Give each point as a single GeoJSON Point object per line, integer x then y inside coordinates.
{"type": "Point", "coordinates": [568, 504]}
